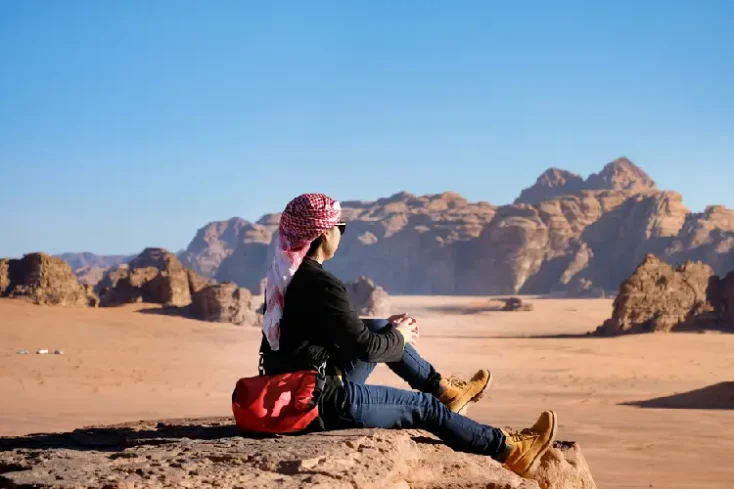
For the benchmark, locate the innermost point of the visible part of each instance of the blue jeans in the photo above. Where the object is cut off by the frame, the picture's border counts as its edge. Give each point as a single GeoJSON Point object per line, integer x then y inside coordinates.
{"type": "Point", "coordinates": [374, 406]}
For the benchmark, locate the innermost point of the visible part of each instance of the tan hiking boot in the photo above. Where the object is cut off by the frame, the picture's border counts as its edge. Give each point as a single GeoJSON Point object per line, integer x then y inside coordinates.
{"type": "Point", "coordinates": [457, 394]}
{"type": "Point", "coordinates": [524, 447]}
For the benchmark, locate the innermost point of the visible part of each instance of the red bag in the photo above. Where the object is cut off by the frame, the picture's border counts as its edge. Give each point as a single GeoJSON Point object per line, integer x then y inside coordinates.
{"type": "Point", "coordinates": [282, 403]}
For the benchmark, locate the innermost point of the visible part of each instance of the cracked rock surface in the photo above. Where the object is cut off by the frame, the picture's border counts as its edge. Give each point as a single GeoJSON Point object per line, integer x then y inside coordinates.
{"type": "Point", "coordinates": [202, 453]}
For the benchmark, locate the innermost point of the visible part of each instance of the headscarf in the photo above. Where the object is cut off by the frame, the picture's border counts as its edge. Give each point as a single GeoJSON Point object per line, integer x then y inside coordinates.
{"type": "Point", "coordinates": [305, 218]}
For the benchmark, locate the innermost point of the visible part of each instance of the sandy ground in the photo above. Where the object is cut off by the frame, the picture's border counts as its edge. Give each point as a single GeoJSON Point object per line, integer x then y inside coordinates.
{"type": "Point", "coordinates": [122, 365]}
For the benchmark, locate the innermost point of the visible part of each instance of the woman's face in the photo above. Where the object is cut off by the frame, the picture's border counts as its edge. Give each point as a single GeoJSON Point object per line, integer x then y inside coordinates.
{"type": "Point", "coordinates": [331, 241]}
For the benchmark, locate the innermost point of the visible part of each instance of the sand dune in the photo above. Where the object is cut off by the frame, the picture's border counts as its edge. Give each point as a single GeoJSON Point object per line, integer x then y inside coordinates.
{"type": "Point", "coordinates": [624, 399]}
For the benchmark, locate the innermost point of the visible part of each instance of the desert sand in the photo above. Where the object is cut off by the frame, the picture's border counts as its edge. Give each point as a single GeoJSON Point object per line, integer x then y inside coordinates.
{"type": "Point", "coordinates": [648, 410]}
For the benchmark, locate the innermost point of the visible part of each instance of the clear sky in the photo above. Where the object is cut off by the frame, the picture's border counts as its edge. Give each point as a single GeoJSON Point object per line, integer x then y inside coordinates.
{"type": "Point", "coordinates": [127, 124]}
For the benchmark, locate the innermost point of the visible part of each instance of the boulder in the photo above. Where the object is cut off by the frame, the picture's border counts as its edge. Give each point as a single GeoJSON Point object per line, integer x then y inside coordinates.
{"type": "Point", "coordinates": [43, 279]}
{"type": "Point", "coordinates": [211, 452]}
{"type": "Point", "coordinates": [658, 297]}
{"type": "Point", "coordinates": [368, 298]}
{"type": "Point", "coordinates": [225, 303]}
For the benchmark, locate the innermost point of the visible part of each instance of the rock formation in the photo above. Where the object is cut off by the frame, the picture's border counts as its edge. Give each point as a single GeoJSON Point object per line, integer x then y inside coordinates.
{"type": "Point", "coordinates": [81, 260]}
{"type": "Point", "coordinates": [368, 298]}
{"type": "Point", "coordinates": [4, 276]}
{"type": "Point", "coordinates": [620, 174]}
{"type": "Point", "coordinates": [211, 453]}
{"type": "Point", "coordinates": [155, 276]}
{"type": "Point", "coordinates": [90, 275]}
{"type": "Point", "coordinates": [43, 279]}
{"type": "Point", "coordinates": [563, 235]}
{"type": "Point", "coordinates": [211, 245]}
{"type": "Point", "coordinates": [658, 297]}
{"type": "Point", "coordinates": [225, 303]}
{"type": "Point", "coordinates": [552, 183]}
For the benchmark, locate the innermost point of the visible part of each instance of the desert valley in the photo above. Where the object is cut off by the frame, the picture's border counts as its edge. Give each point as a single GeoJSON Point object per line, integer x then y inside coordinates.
{"type": "Point", "coordinates": [626, 333]}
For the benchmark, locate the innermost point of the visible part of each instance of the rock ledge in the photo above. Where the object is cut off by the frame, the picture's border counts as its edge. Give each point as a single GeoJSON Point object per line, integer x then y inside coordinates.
{"type": "Point", "coordinates": [211, 453]}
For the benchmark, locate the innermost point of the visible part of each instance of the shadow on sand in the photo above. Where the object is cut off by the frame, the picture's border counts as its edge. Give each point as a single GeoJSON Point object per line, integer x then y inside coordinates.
{"type": "Point", "coordinates": [120, 437]}
{"type": "Point", "coordinates": [717, 396]}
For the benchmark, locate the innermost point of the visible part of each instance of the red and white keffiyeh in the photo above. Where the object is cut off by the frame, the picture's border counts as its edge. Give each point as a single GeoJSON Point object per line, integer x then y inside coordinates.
{"type": "Point", "coordinates": [305, 218]}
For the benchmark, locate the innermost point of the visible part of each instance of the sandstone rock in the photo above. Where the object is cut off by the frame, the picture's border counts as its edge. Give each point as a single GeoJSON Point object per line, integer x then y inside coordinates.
{"type": "Point", "coordinates": [368, 298]}
{"type": "Point", "coordinates": [658, 297]}
{"type": "Point", "coordinates": [155, 276]}
{"type": "Point", "coordinates": [4, 276]}
{"type": "Point", "coordinates": [620, 174]}
{"type": "Point", "coordinates": [43, 279]}
{"type": "Point", "coordinates": [211, 453]}
{"type": "Point", "coordinates": [90, 275]}
{"type": "Point", "coordinates": [225, 303]}
{"type": "Point", "coordinates": [212, 244]}
{"type": "Point", "coordinates": [560, 233]}
{"type": "Point", "coordinates": [552, 183]}
{"type": "Point", "coordinates": [708, 236]}
{"type": "Point", "coordinates": [246, 263]}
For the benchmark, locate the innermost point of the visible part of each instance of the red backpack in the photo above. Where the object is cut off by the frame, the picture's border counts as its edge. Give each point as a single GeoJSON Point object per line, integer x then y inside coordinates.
{"type": "Point", "coordinates": [282, 403]}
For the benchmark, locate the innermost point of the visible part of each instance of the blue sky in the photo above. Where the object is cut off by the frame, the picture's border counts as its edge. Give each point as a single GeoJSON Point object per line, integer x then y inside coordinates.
{"type": "Point", "coordinates": [126, 124]}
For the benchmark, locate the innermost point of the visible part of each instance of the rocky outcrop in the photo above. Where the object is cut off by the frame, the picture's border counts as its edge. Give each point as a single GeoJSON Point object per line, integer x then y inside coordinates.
{"type": "Point", "coordinates": [658, 297]}
{"type": "Point", "coordinates": [247, 261]}
{"type": "Point", "coordinates": [155, 276]}
{"type": "Point", "coordinates": [368, 298]}
{"type": "Point", "coordinates": [211, 453]}
{"type": "Point", "coordinates": [90, 275]}
{"type": "Point", "coordinates": [620, 174]}
{"type": "Point", "coordinates": [211, 245]}
{"type": "Point", "coordinates": [4, 276]}
{"type": "Point", "coordinates": [45, 280]}
{"type": "Point", "coordinates": [225, 303]}
{"type": "Point", "coordinates": [708, 236]}
{"type": "Point", "coordinates": [552, 183]}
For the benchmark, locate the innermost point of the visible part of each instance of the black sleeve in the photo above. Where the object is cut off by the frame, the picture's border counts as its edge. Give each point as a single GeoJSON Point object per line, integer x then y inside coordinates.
{"type": "Point", "coordinates": [350, 333]}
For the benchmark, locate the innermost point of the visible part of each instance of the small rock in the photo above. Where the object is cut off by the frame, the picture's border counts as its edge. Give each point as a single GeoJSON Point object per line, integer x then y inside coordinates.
{"type": "Point", "coordinates": [58, 352]}
{"type": "Point", "coordinates": [42, 352]}
{"type": "Point", "coordinates": [22, 352]}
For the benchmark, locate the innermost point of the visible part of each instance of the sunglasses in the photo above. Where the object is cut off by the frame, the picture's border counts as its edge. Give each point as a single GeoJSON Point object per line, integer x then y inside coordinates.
{"type": "Point", "coordinates": [342, 227]}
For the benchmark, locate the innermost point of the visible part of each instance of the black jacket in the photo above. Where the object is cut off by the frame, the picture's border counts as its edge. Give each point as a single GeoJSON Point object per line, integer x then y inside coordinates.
{"type": "Point", "coordinates": [320, 325]}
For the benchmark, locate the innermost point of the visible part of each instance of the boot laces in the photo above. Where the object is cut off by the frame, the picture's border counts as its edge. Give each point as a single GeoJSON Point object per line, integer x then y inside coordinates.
{"type": "Point", "coordinates": [524, 434]}
{"type": "Point", "coordinates": [457, 382]}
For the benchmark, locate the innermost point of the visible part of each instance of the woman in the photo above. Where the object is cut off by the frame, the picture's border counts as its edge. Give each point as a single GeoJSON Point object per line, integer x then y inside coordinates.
{"type": "Point", "coordinates": [310, 322]}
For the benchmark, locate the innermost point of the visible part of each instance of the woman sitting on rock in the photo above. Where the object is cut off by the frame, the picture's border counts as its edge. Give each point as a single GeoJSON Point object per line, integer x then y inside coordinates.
{"type": "Point", "coordinates": [309, 321]}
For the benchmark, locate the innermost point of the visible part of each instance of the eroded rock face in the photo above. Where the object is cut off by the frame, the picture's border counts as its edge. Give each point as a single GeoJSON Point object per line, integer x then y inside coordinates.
{"type": "Point", "coordinates": [211, 245]}
{"type": "Point", "coordinates": [658, 297]}
{"type": "Point", "coordinates": [368, 298]}
{"type": "Point", "coordinates": [155, 276]}
{"type": "Point", "coordinates": [43, 279]}
{"type": "Point", "coordinates": [225, 303]}
{"type": "Point", "coordinates": [552, 183]}
{"type": "Point", "coordinates": [4, 276]}
{"type": "Point", "coordinates": [210, 452]}
{"type": "Point", "coordinates": [560, 233]}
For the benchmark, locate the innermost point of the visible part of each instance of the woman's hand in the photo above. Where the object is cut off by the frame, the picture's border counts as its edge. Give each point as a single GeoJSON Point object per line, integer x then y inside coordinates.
{"type": "Point", "coordinates": [407, 327]}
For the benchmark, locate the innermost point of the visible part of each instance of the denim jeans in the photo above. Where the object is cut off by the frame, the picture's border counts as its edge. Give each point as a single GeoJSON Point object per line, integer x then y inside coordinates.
{"type": "Point", "coordinates": [374, 406]}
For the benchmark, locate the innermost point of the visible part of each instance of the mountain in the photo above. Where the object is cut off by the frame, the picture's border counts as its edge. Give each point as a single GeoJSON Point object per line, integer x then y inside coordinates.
{"type": "Point", "coordinates": [90, 260]}
{"type": "Point", "coordinates": [563, 234]}
{"type": "Point", "coordinates": [620, 174]}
